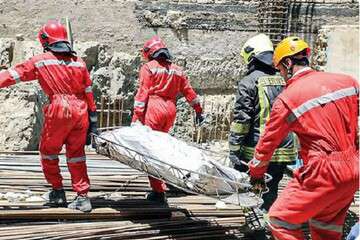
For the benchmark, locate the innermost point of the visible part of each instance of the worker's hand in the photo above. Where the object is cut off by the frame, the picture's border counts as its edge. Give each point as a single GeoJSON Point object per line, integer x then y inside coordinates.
{"type": "Point", "coordinates": [136, 123]}
{"type": "Point", "coordinates": [258, 168]}
{"type": "Point", "coordinates": [258, 185]}
{"type": "Point", "coordinates": [199, 119]}
{"type": "Point", "coordinates": [3, 67]}
{"type": "Point", "coordinates": [236, 162]}
{"type": "Point", "coordinates": [92, 128]}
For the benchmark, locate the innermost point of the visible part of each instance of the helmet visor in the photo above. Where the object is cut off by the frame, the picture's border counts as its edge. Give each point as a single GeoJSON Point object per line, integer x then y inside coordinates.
{"type": "Point", "coordinates": [60, 47]}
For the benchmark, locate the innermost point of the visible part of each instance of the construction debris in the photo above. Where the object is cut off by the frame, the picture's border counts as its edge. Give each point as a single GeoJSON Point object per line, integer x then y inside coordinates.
{"type": "Point", "coordinates": [120, 209]}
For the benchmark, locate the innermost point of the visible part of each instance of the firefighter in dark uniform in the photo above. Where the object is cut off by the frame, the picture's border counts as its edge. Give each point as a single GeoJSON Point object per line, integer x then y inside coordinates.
{"type": "Point", "coordinates": [255, 95]}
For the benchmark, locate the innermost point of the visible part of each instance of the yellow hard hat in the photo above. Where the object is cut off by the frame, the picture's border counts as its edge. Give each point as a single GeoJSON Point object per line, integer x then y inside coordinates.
{"type": "Point", "coordinates": [259, 46]}
{"type": "Point", "coordinates": [289, 47]}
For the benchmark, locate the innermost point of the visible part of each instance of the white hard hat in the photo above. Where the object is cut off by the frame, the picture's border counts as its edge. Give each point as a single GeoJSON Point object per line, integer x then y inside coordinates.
{"type": "Point", "coordinates": [259, 47]}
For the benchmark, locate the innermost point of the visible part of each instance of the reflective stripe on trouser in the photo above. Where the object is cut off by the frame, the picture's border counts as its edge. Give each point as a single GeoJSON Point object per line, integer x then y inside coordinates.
{"type": "Point", "coordinates": [79, 178]}
{"type": "Point", "coordinates": [51, 171]}
{"type": "Point", "coordinates": [321, 193]}
{"type": "Point", "coordinates": [239, 128]}
{"type": "Point", "coordinates": [160, 115]}
{"type": "Point", "coordinates": [72, 132]}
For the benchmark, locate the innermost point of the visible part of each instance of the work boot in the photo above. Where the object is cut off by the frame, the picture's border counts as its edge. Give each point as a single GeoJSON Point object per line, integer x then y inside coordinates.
{"type": "Point", "coordinates": [55, 198]}
{"type": "Point", "coordinates": [157, 197]}
{"type": "Point", "coordinates": [81, 203]}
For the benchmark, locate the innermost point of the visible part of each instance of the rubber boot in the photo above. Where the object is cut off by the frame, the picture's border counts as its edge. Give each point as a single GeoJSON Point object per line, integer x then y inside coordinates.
{"type": "Point", "coordinates": [81, 203]}
{"type": "Point", "coordinates": [157, 197]}
{"type": "Point", "coordinates": [55, 198]}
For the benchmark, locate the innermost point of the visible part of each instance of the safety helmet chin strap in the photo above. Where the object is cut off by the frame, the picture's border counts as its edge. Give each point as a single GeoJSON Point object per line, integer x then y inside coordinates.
{"type": "Point", "coordinates": [304, 61]}
{"type": "Point", "coordinates": [289, 70]}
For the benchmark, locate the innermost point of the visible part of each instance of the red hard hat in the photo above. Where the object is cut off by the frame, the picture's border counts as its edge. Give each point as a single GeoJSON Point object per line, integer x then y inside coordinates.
{"type": "Point", "coordinates": [52, 32]}
{"type": "Point", "coordinates": [151, 46]}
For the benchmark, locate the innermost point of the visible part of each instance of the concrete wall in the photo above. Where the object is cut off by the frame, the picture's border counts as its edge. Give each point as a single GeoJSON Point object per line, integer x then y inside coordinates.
{"type": "Point", "coordinates": [205, 36]}
{"type": "Point", "coordinates": [343, 50]}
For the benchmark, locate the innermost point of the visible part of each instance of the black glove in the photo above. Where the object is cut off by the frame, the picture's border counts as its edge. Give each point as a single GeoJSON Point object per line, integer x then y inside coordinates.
{"type": "Point", "coordinates": [258, 185]}
{"type": "Point", "coordinates": [199, 119]}
{"type": "Point", "coordinates": [92, 128]}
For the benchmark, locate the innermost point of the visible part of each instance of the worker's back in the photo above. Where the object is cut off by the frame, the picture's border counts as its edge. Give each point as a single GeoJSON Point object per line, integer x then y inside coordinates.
{"type": "Point", "coordinates": [324, 111]}
{"type": "Point", "coordinates": [167, 79]}
{"type": "Point", "coordinates": [61, 73]}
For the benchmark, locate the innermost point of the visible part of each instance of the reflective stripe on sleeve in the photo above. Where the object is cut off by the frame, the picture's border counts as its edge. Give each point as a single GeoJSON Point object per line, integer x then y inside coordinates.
{"type": "Point", "coordinates": [234, 148]}
{"type": "Point", "coordinates": [14, 74]}
{"type": "Point", "coordinates": [325, 226]}
{"type": "Point", "coordinates": [88, 89]}
{"type": "Point", "coordinates": [316, 102]}
{"type": "Point", "coordinates": [49, 157]}
{"type": "Point", "coordinates": [239, 128]}
{"type": "Point", "coordinates": [283, 224]}
{"type": "Point", "coordinates": [76, 159]}
{"type": "Point", "coordinates": [195, 101]}
{"type": "Point", "coordinates": [49, 62]}
{"type": "Point", "coordinates": [139, 104]}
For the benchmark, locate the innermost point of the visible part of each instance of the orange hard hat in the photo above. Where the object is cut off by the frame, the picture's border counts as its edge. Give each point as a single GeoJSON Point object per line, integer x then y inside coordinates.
{"type": "Point", "coordinates": [290, 46]}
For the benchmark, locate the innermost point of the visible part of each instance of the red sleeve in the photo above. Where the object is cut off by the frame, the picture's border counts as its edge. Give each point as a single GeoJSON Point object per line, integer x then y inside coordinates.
{"type": "Point", "coordinates": [23, 72]}
{"type": "Point", "coordinates": [142, 94]}
{"type": "Point", "coordinates": [190, 95]}
{"type": "Point", "coordinates": [276, 129]}
{"type": "Point", "coordinates": [88, 91]}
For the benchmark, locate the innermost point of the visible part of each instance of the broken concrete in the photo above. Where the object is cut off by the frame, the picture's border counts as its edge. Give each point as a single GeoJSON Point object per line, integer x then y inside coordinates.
{"type": "Point", "coordinates": [343, 50]}
{"type": "Point", "coordinates": [20, 118]}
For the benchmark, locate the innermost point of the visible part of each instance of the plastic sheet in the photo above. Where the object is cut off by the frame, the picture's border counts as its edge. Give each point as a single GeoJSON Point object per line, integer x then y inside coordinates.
{"type": "Point", "coordinates": [177, 163]}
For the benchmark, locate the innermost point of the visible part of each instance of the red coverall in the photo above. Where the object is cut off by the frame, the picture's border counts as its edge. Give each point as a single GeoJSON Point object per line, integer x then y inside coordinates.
{"type": "Point", "coordinates": [66, 81]}
{"type": "Point", "coordinates": [322, 109]}
{"type": "Point", "coordinates": [155, 101]}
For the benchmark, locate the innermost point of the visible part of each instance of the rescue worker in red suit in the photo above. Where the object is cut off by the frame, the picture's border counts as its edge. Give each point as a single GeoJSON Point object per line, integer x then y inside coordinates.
{"type": "Point", "coordinates": [322, 109]}
{"type": "Point", "coordinates": [68, 118]}
{"type": "Point", "coordinates": [161, 81]}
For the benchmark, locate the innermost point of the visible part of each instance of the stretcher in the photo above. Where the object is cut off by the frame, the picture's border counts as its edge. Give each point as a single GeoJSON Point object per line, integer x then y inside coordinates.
{"type": "Point", "coordinates": [184, 166]}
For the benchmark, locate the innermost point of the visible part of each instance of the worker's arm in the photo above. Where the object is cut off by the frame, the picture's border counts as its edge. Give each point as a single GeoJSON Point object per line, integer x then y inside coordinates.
{"type": "Point", "coordinates": [142, 95]}
{"type": "Point", "coordinates": [89, 95]}
{"type": "Point", "coordinates": [243, 116]}
{"type": "Point", "coordinates": [276, 129]}
{"type": "Point", "coordinates": [88, 91]}
{"type": "Point", "coordinates": [190, 95]}
{"type": "Point", "coordinates": [22, 72]}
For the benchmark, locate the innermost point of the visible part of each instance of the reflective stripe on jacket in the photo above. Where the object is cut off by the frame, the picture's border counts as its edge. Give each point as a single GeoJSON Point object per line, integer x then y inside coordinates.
{"type": "Point", "coordinates": [163, 79]}
{"type": "Point", "coordinates": [57, 74]}
{"type": "Point", "coordinates": [321, 108]}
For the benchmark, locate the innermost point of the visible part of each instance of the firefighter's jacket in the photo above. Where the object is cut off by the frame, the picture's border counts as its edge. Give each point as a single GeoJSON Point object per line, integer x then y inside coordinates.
{"type": "Point", "coordinates": [256, 93]}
